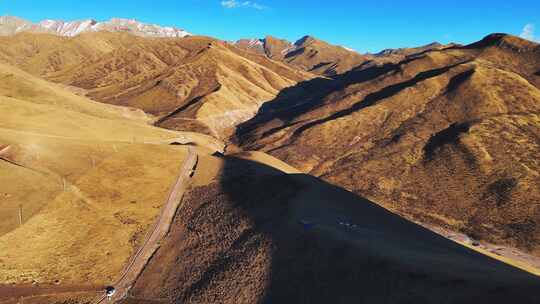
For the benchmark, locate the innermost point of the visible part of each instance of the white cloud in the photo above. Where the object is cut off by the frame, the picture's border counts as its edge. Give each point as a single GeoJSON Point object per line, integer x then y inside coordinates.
{"type": "Point", "coordinates": [528, 33]}
{"type": "Point", "coordinates": [237, 4]}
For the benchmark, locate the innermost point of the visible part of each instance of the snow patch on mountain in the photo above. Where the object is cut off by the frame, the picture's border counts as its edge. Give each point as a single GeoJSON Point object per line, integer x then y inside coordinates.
{"type": "Point", "coordinates": [348, 49]}
{"type": "Point", "coordinates": [255, 42]}
{"type": "Point", "coordinates": [11, 25]}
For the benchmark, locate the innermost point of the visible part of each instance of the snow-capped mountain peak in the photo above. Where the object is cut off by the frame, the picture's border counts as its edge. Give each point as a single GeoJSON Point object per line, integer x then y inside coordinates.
{"type": "Point", "coordinates": [12, 25]}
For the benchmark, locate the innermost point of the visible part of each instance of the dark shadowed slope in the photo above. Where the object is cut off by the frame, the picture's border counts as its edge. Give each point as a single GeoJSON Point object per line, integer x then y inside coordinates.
{"type": "Point", "coordinates": [253, 234]}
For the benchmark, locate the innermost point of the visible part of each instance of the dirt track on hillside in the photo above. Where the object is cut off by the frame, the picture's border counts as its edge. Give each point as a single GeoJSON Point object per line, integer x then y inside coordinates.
{"type": "Point", "coordinates": [160, 230]}
{"type": "Point", "coordinates": [136, 263]}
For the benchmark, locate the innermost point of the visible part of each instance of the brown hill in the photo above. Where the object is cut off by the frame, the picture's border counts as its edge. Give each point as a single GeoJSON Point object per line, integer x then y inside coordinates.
{"type": "Point", "coordinates": [276, 48]}
{"type": "Point", "coordinates": [87, 178]}
{"type": "Point", "coordinates": [447, 137]}
{"type": "Point", "coordinates": [399, 54]}
{"type": "Point", "coordinates": [308, 54]}
{"type": "Point", "coordinates": [272, 47]}
{"type": "Point", "coordinates": [194, 83]}
{"type": "Point", "coordinates": [249, 233]}
{"type": "Point", "coordinates": [409, 51]}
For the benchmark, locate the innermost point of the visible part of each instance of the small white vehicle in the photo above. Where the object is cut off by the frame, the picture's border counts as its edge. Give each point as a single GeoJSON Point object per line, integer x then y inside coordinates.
{"type": "Point", "coordinates": [109, 292]}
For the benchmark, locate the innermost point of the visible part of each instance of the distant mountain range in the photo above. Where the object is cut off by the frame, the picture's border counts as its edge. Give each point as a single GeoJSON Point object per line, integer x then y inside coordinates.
{"type": "Point", "coordinates": [319, 57]}
{"type": "Point", "coordinates": [10, 25]}
{"type": "Point", "coordinates": [308, 53]}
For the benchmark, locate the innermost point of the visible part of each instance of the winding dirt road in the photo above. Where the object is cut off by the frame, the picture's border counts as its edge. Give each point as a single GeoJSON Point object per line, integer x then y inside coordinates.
{"type": "Point", "coordinates": [160, 229]}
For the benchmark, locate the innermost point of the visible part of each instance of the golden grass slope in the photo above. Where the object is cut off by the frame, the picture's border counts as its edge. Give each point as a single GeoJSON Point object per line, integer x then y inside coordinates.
{"type": "Point", "coordinates": [42, 54]}
{"type": "Point", "coordinates": [89, 178]}
{"type": "Point", "coordinates": [192, 83]}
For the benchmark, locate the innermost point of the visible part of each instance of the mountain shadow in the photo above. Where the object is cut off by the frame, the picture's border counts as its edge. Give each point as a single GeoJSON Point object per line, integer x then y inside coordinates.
{"type": "Point", "coordinates": [308, 95]}
{"type": "Point", "coordinates": [258, 235]}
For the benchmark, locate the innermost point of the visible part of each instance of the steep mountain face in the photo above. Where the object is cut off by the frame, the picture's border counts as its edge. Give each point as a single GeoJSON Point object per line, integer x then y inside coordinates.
{"type": "Point", "coordinates": [447, 137]}
{"type": "Point", "coordinates": [276, 48]}
{"type": "Point", "coordinates": [273, 48]}
{"type": "Point", "coordinates": [194, 83]}
{"type": "Point", "coordinates": [253, 45]}
{"type": "Point", "coordinates": [11, 25]}
{"type": "Point", "coordinates": [308, 54]}
{"type": "Point", "coordinates": [322, 58]}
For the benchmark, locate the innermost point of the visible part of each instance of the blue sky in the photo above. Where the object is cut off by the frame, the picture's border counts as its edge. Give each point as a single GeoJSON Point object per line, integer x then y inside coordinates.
{"type": "Point", "coordinates": [367, 26]}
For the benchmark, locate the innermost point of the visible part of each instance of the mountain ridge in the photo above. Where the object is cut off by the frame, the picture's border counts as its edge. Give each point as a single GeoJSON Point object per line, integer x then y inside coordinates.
{"type": "Point", "coordinates": [10, 25]}
{"type": "Point", "coordinates": [199, 83]}
{"type": "Point", "coordinates": [307, 53]}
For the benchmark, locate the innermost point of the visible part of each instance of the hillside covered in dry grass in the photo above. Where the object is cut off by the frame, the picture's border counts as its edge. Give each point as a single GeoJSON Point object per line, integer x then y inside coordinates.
{"type": "Point", "coordinates": [87, 178]}
{"type": "Point", "coordinates": [306, 188]}
{"type": "Point", "coordinates": [195, 83]}
{"type": "Point", "coordinates": [447, 137]}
